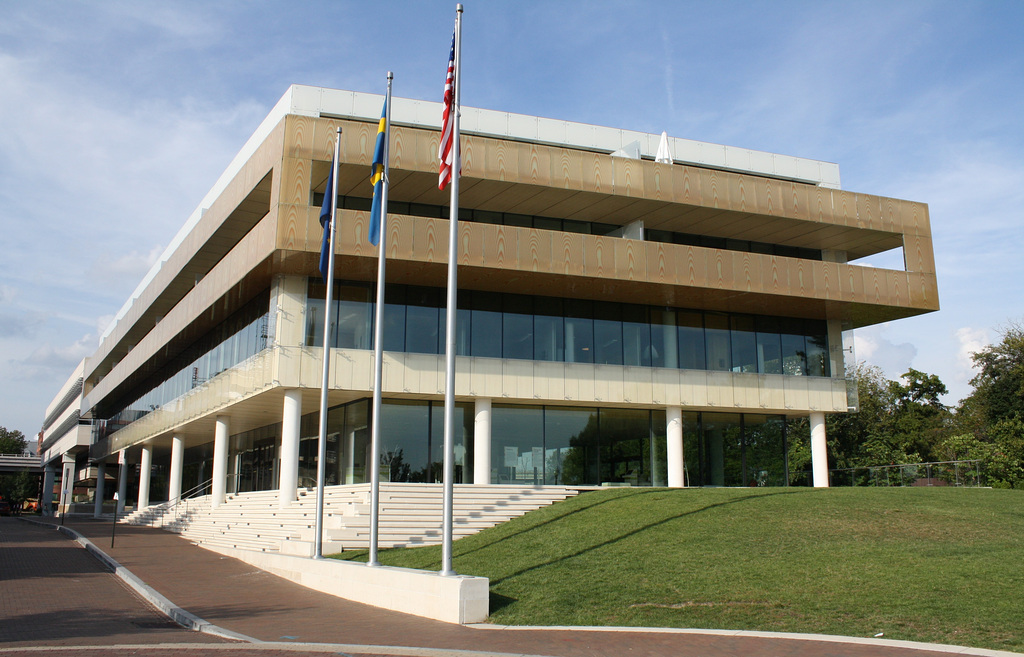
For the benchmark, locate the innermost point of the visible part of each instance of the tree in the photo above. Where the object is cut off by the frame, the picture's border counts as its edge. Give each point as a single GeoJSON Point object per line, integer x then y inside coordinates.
{"type": "Point", "coordinates": [999, 385]}
{"type": "Point", "coordinates": [989, 424]}
{"type": "Point", "coordinates": [12, 441]}
{"type": "Point", "coordinates": [18, 487]}
{"type": "Point", "coordinates": [897, 422]}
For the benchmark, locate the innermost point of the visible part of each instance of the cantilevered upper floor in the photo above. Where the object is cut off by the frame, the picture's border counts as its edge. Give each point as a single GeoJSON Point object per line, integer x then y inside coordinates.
{"type": "Point", "coordinates": [548, 208]}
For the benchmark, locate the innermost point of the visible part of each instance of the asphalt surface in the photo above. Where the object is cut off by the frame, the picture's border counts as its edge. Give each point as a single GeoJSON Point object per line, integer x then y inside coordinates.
{"type": "Point", "coordinates": [56, 598]}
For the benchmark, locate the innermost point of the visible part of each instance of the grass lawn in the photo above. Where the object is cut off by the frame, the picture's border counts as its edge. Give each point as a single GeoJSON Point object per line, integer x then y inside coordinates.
{"type": "Point", "coordinates": [925, 564]}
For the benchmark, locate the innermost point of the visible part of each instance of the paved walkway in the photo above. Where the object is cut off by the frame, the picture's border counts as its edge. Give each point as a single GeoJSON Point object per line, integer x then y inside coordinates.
{"type": "Point", "coordinates": [55, 594]}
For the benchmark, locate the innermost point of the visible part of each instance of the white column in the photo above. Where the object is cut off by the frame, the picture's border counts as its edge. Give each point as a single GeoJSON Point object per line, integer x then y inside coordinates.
{"type": "Point", "coordinates": [819, 450]}
{"type": "Point", "coordinates": [47, 501]}
{"type": "Point", "coordinates": [145, 469]}
{"type": "Point", "coordinates": [218, 486]}
{"type": "Point", "coordinates": [122, 481]}
{"type": "Point", "coordinates": [291, 419]}
{"type": "Point", "coordinates": [177, 456]}
{"type": "Point", "coordinates": [674, 447]}
{"type": "Point", "coordinates": [101, 474]}
{"type": "Point", "coordinates": [67, 483]}
{"type": "Point", "coordinates": [482, 442]}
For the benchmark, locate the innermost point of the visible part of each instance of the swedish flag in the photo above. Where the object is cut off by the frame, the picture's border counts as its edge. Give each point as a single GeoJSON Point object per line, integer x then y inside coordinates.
{"type": "Point", "coordinates": [377, 176]}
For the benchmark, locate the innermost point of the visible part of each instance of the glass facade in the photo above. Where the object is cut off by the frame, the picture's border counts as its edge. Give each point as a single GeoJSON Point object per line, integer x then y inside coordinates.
{"type": "Point", "coordinates": [502, 325]}
{"type": "Point", "coordinates": [242, 335]}
{"type": "Point", "coordinates": [530, 445]}
{"type": "Point", "coordinates": [411, 450]}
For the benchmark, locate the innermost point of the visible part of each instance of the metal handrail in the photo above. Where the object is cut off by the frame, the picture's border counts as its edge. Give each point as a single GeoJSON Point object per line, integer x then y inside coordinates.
{"type": "Point", "coordinates": [961, 471]}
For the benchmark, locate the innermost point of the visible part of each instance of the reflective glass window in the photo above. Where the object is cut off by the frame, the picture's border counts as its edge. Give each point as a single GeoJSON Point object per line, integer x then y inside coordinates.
{"type": "Point", "coordinates": [421, 320]}
{"type": "Point", "coordinates": [404, 441]}
{"type": "Point", "coordinates": [719, 349]}
{"type": "Point", "coordinates": [636, 336]}
{"type": "Point", "coordinates": [548, 329]}
{"type": "Point", "coordinates": [769, 346]}
{"type": "Point", "coordinates": [394, 318]}
{"type": "Point", "coordinates": [355, 317]}
{"type": "Point", "coordinates": [607, 333]}
{"type": "Point", "coordinates": [722, 449]}
{"type": "Point", "coordinates": [579, 331]}
{"type": "Point", "coordinates": [665, 339]}
{"type": "Point", "coordinates": [794, 348]}
{"type": "Point", "coordinates": [817, 349]}
{"type": "Point", "coordinates": [571, 453]}
{"type": "Point", "coordinates": [625, 446]}
{"type": "Point", "coordinates": [485, 340]}
{"type": "Point", "coordinates": [517, 327]}
{"type": "Point", "coordinates": [517, 444]}
{"type": "Point", "coordinates": [744, 344]}
{"type": "Point", "coordinates": [692, 340]}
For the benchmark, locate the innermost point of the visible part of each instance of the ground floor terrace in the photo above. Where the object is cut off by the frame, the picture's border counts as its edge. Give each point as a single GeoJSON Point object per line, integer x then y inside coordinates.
{"type": "Point", "coordinates": [494, 443]}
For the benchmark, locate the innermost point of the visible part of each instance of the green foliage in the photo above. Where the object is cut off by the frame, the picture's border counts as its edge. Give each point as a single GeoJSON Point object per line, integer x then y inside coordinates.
{"type": "Point", "coordinates": [898, 422]}
{"type": "Point", "coordinates": [18, 487]}
{"type": "Point", "coordinates": [999, 386]}
{"type": "Point", "coordinates": [12, 441]}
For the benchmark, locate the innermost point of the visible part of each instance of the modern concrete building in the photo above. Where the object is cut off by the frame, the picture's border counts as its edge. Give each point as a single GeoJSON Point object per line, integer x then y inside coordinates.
{"type": "Point", "coordinates": [620, 320]}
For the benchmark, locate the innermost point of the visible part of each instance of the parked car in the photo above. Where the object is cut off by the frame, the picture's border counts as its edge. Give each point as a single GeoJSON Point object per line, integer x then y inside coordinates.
{"type": "Point", "coordinates": [5, 508]}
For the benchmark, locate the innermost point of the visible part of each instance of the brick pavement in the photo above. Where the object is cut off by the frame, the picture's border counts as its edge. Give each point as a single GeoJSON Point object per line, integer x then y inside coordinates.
{"type": "Point", "coordinates": [52, 590]}
{"type": "Point", "coordinates": [233, 595]}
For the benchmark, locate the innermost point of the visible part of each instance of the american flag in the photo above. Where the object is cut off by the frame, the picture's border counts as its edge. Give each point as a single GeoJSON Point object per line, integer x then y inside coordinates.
{"type": "Point", "coordinates": [445, 153]}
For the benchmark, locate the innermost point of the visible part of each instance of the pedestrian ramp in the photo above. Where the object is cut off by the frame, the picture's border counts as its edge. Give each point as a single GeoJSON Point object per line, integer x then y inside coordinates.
{"type": "Point", "coordinates": [410, 515]}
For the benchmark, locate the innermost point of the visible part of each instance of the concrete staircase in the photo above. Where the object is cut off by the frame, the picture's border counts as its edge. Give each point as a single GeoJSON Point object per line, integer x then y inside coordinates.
{"type": "Point", "coordinates": [410, 515]}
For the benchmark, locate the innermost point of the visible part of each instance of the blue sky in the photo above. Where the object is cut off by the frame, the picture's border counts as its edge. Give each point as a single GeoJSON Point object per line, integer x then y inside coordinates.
{"type": "Point", "coordinates": [119, 116]}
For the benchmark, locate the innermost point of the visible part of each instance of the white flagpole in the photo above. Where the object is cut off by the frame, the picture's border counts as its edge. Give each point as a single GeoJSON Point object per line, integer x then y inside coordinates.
{"type": "Point", "coordinates": [321, 466]}
{"type": "Point", "coordinates": [451, 312]}
{"type": "Point", "coordinates": [378, 341]}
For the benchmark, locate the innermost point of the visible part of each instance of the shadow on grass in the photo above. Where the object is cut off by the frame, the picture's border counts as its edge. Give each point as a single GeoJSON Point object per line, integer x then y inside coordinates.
{"type": "Point", "coordinates": [634, 532]}
{"type": "Point", "coordinates": [498, 601]}
{"type": "Point", "coordinates": [562, 516]}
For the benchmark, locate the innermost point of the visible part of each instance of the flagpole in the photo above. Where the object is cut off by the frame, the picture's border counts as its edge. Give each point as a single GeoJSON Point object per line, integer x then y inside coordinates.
{"type": "Point", "coordinates": [321, 465]}
{"type": "Point", "coordinates": [451, 312]}
{"type": "Point", "coordinates": [378, 341]}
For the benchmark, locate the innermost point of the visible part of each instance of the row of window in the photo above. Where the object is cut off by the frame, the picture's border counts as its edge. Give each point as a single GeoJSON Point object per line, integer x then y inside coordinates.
{"type": "Point", "coordinates": [574, 226]}
{"type": "Point", "coordinates": [502, 325]}
{"type": "Point", "coordinates": [241, 335]}
{"type": "Point", "coordinates": [530, 445]}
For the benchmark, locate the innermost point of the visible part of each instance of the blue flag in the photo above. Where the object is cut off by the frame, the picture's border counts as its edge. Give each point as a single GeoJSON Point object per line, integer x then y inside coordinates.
{"type": "Point", "coordinates": [377, 176]}
{"type": "Point", "coordinates": [326, 218]}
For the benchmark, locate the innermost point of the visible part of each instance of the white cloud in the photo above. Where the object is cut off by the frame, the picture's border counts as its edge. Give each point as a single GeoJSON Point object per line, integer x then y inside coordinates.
{"type": "Point", "coordinates": [871, 345]}
{"type": "Point", "coordinates": [971, 340]}
{"type": "Point", "coordinates": [47, 360]}
{"type": "Point", "coordinates": [128, 268]}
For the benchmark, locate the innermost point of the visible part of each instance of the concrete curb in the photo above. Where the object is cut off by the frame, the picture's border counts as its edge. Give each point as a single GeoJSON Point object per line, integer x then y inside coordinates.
{"type": "Point", "coordinates": [184, 618]}
{"type": "Point", "coordinates": [792, 636]}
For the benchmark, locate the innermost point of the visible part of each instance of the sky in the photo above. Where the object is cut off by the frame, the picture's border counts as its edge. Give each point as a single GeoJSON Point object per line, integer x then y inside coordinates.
{"type": "Point", "coordinates": [119, 116]}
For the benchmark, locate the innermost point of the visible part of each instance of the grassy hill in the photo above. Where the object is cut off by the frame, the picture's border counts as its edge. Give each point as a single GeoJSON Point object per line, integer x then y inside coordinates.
{"type": "Point", "coordinates": [926, 564]}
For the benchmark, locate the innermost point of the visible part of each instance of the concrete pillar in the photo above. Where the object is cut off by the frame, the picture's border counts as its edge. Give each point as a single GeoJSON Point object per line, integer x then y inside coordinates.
{"type": "Point", "coordinates": [218, 487]}
{"type": "Point", "coordinates": [819, 450]}
{"type": "Point", "coordinates": [674, 447]}
{"type": "Point", "coordinates": [145, 470]}
{"type": "Point", "coordinates": [67, 483]}
{"type": "Point", "coordinates": [101, 475]}
{"type": "Point", "coordinates": [49, 474]}
{"type": "Point", "coordinates": [291, 419]}
{"type": "Point", "coordinates": [174, 477]}
{"type": "Point", "coordinates": [122, 481]}
{"type": "Point", "coordinates": [482, 442]}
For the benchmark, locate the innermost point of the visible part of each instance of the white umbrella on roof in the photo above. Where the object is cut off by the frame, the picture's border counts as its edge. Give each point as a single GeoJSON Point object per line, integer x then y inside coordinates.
{"type": "Point", "coordinates": [664, 154]}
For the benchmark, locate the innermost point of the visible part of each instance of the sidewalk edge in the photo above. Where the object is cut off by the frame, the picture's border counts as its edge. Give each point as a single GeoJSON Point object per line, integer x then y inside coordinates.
{"type": "Point", "coordinates": [180, 616]}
